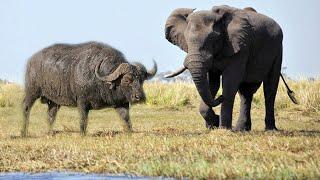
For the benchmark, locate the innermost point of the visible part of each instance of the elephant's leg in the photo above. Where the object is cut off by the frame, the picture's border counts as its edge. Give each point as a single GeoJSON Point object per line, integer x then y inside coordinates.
{"type": "Point", "coordinates": [123, 112]}
{"type": "Point", "coordinates": [52, 113]}
{"type": "Point", "coordinates": [270, 86]}
{"type": "Point", "coordinates": [270, 91]}
{"type": "Point", "coordinates": [231, 79]}
{"type": "Point", "coordinates": [244, 121]}
{"type": "Point", "coordinates": [84, 111]}
{"type": "Point", "coordinates": [28, 102]}
{"type": "Point", "coordinates": [212, 120]}
{"type": "Point", "coordinates": [227, 108]}
{"type": "Point", "coordinates": [246, 92]}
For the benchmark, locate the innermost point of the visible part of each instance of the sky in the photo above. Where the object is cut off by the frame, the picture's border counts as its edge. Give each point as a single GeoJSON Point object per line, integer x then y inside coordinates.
{"type": "Point", "coordinates": [137, 29]}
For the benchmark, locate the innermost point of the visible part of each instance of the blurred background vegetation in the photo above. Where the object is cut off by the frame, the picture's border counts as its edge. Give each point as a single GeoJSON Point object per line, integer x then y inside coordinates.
{"type": "Point", "coordinates": [178, 94]}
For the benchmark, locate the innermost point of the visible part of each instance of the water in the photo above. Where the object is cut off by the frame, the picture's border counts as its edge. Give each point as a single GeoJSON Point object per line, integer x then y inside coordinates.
{"type": "Point", "coordinates": [71, 176]}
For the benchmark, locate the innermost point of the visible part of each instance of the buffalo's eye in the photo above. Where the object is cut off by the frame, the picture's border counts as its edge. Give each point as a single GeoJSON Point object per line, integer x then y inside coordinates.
{"type": "Point", "coordinates": [208, 21]}
{"type": "Point", "coordinates": [217, 11]}
{"type": "Point", "coordinates": [127, 79]}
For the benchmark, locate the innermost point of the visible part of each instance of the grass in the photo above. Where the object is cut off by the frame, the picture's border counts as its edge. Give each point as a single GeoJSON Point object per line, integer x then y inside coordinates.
{"type": "Point", "coordinates": [169, 138]}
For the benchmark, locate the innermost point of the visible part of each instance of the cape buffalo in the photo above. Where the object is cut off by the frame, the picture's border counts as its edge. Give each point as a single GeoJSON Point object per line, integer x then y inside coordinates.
{"type": "Point", "coordinates": [88, 76]}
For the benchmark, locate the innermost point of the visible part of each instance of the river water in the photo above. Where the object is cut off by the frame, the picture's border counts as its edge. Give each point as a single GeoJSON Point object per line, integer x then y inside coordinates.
{"type": "Point", "coordinates": [71, 176]}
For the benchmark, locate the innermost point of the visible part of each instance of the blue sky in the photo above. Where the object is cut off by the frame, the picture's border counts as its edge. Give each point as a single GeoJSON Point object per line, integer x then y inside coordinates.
{"type": "Point", "coordinates": [137, 29]}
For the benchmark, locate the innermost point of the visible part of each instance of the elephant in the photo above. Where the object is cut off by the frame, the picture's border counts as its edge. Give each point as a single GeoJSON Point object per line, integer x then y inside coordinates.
{"type": "Point", "coordinates": [242, 46]}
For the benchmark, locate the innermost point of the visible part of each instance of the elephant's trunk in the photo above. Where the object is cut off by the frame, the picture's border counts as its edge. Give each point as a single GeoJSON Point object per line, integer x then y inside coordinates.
{"type": "Point", "coordinates": [199, 70]}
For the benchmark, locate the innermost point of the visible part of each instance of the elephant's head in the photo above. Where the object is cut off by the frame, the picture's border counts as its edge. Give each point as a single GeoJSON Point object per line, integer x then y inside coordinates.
{"type": "Point", "coordinates": [207, 36]}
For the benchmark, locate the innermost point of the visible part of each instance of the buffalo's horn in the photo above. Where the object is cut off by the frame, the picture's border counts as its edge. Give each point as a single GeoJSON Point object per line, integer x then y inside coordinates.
{"type": "Point", "coordinates": [153, 71]}
{"type": "Point", "coordinates": [121, 69]}
{"type": "Point", "coordinates": [177, 72]}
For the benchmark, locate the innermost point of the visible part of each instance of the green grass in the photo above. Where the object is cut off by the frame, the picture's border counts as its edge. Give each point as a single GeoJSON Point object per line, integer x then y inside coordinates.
{"type": "Point", "coordinates": [169, 138]}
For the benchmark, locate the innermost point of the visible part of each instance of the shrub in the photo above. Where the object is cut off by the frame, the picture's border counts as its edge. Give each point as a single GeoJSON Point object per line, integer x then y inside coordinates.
{"type": "Point", "coordinates": [180, 94]}
{"type": "Point", "coordinates": [10, 95]}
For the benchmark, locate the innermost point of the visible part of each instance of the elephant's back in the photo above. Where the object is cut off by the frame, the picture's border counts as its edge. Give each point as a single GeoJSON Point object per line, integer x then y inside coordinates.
{"type": "Point", "coordinates": [265, 26]}
{"type": "Point", "coordinates": [266, 46]}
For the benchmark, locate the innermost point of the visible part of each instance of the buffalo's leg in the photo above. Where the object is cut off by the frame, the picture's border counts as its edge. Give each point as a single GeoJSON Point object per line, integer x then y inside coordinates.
{"type": "Point", "coordinates": [84, 110]}
{"type": "Point", "coordinates": [28, 102]}
{"type": "Point", "coordinates": [123, 112]}
{"type": "Point", "coordinates": [246, 92]}
{"type": "Point", "coordinates": [212, 120]}
{"type": "Point", "coordinates": [52, 113]}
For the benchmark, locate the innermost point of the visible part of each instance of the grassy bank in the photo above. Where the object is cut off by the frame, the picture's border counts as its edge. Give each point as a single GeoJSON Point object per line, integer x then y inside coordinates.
{"type": "Point", "coordinates": [169, 138]}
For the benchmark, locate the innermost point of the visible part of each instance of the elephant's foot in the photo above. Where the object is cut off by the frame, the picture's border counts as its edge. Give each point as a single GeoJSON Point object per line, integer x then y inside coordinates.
{"type": "Point", "coordinates": [225, 127]}
{"type": "Point", "coordinates": [270, 125]}
{"type": "Point", "coordinates": [225, 124]}
{"type": "Point", "coordinates": [274, 128]}
{"type": "Point", "coordinates": [243, 126]}
{"type": "Point", "coordinates": [213, 122]}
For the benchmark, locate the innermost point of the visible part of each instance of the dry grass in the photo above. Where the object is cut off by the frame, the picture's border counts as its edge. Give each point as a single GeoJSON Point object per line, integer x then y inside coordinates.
{"type": "Point", "coordinates": [169, 138]}
{"type": "Point", "coordinates": [10, 95]}
{"type": "Point", "coordinates": [175, 95]}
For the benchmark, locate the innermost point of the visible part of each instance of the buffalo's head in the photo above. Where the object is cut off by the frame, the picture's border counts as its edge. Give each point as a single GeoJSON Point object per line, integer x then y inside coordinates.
{"type": "Point", "coordinates": [131, 78]}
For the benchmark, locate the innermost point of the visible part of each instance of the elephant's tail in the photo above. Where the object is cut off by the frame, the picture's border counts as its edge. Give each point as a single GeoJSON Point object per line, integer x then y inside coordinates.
{"type": "Point", "coordinates": [289, 91]}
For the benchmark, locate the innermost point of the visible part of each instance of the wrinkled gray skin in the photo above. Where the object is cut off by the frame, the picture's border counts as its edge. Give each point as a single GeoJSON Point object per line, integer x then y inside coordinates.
{"type": "Point", "coordinates": [87, 76]}
{"type": "Point", "coordinates": [242, 46]}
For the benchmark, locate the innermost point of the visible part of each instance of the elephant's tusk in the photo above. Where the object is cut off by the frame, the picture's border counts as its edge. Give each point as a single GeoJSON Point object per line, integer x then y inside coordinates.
{"type": "Point", "coordinates": [177, 72]}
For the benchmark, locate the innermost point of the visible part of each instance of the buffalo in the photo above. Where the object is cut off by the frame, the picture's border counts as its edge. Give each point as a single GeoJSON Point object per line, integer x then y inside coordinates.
{"type": "Point", "coordinates": [88, 76]}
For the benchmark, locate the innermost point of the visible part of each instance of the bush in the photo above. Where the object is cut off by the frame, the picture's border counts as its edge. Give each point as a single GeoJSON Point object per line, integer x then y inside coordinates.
{"type": "Point", "coordinates": [173, 95]}
{"type": "Point", "coordinates": [10, 95]}
{"type": "Point", "coordinates": [181, 94]}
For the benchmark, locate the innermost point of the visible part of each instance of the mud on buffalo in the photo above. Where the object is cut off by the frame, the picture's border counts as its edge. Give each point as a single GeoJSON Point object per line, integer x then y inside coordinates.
{"type": "Point", "coordinates": [88, 76]}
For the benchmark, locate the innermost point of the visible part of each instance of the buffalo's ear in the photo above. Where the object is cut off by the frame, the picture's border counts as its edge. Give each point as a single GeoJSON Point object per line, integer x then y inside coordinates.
{"type": "Point", "coordinates": [249, 9]}
{"type": "Point", "coordinates": [237, 29]}
{"type": "Point", "coordinates": [175, 27]}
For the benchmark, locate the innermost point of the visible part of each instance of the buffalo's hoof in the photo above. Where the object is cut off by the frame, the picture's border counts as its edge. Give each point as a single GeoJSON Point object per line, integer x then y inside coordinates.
{"type": "Point", "coordinates": [24, 133]}
{"type": "Point", "coordinates": [83, 134]}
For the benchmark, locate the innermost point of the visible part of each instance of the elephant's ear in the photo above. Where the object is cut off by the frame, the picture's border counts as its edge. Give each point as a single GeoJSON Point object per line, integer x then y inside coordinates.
{"type": "Point", "coordinates": [175, 27]}
{"type": "Point", "coordinates": [236, 27]}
